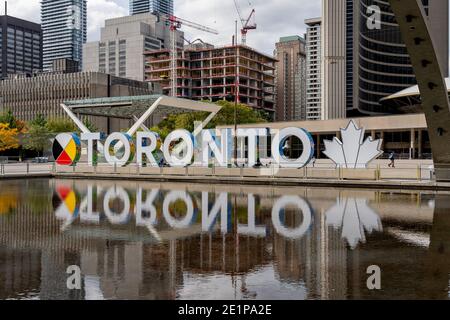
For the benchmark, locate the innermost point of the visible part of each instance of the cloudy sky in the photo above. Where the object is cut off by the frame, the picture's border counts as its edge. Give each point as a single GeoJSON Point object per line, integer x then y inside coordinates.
{"type": "Point", "coordinates": [274, 18]}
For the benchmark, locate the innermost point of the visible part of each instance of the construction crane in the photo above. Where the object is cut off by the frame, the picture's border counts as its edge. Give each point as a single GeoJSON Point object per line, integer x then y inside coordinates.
{"type": "Point", "coordinates": [247, 24]}
{"type": "Point", "coordinates": [190, 42]}
{"type": "Point", "coordinates": [176, 23]}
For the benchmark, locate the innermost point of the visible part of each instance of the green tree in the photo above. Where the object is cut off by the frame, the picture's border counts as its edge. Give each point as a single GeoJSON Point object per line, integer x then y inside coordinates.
{"type": "Point", "coordinates": [9, 119]}
{"type": "Point", "coordinates": [61, 125]}
{"type": "Point", "coordinates": [37, 138]}
{"type": "Point", "coordinates": [91, 127]}
{"type": "Point", "coordinates": [39, 121]}
{"type": "Point", "coordinates": [245, 115]}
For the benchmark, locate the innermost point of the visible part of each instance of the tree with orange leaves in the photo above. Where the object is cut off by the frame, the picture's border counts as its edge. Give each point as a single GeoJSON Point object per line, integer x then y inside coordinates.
{"type": "Point", "coordinates": [8, 137]}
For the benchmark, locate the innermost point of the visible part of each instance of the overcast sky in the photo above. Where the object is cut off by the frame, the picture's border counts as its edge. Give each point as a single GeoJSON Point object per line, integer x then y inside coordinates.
{"type": "Point", "coordinates": [275, 18]}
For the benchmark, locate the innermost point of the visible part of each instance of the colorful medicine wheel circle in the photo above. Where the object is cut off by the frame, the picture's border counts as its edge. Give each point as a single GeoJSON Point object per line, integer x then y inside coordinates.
{"type": "Point", "coordinates": [67, 149]}
{"type": "Point", "coordinates": [67, 201]}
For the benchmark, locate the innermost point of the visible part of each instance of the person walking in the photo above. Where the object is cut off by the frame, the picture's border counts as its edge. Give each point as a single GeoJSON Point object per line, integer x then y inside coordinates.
{"type": "Point", "coordinates": [392, 159]}
{"type": "Point", "coordinates": [313, 161]}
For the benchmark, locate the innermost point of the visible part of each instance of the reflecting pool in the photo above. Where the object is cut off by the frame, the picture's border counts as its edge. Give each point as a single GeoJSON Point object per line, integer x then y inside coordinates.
{"type": "Point", "coordinates": [145, 240]}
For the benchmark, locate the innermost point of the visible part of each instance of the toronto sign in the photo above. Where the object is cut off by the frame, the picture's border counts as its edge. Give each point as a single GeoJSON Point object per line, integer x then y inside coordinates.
{"type": "Point", "coordinates": [177, 150]}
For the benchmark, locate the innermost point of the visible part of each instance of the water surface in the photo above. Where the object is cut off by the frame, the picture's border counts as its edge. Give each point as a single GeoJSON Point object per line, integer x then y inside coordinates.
{"type": "Point", "coordinates": [138, 240]}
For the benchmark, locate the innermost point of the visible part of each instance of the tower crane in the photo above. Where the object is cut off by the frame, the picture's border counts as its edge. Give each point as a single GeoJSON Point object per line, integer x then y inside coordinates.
{"type": "Point", "coordinates": [247, 24]}
{"type": "Point", "coordinates": [176, 23]}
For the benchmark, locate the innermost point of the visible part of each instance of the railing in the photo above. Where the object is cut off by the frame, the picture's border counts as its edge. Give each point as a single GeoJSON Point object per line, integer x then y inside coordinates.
{"type": "Point", "coordinates": [26, 168]}
{"type": "Point", "coordinates": [405, 173]}
{"type": "Point", "coordinates": [376, 172]}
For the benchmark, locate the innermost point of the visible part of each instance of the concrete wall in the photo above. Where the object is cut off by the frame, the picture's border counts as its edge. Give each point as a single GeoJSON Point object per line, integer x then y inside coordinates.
{"type": "Point", "coordinates": [134, 30]}
{"type": "Point", "coordinates": [317, 173]}
{"type": "Point", "coordinates": [90, 53]}
{"type": "Point", "coordinates": [135, 58]}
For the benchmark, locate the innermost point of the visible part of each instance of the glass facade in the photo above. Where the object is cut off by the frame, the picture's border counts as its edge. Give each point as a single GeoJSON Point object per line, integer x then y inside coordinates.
{"type": "Point", "coordinates": [151, 6]}
{"type": "Point", "coordinates": [384, 64]}
{"type": "Point", "coordinates": [64, 26]}
{"type": "Point", "coordinates": [20, 47]}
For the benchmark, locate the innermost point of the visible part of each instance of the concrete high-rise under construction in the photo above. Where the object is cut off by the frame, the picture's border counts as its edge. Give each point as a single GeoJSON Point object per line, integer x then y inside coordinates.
{"type": "Point", "coordinates": [205, 72]}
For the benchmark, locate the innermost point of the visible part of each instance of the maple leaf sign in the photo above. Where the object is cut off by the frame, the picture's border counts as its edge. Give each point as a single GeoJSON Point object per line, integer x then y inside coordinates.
{"type": "Point", "coordinates": [352, 152]}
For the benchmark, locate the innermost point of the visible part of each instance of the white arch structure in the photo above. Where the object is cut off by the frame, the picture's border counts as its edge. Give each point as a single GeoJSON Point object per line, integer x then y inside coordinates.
{"type": "Point", "coordinates": [138, 109]}
{"type": "Point", "coordinates": [415, 29]}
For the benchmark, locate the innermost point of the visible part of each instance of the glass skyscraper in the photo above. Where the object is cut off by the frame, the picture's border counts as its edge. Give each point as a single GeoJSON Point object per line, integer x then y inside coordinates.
{"type": "Point", "coordinates": [151, 6]}
{"type": "Point", "coordinates": [64, 28]}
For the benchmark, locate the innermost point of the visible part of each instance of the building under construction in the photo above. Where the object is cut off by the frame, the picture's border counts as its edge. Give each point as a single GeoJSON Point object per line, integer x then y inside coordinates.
{"type": "Point", "coordinates": [205, 72]}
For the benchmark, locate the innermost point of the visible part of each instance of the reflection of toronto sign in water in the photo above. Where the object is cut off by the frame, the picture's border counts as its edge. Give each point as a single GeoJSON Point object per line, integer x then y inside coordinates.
{"type": "Point", "coordinates": [355, 217]}
{"type": "Point", "coordinates": [352, 215]}
{"type": "Point", "coordinates": [120, 149]}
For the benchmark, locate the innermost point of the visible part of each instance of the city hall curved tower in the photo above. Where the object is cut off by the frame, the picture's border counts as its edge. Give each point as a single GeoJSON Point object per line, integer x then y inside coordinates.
{"type": "Point", "coordinates": [384, 66]}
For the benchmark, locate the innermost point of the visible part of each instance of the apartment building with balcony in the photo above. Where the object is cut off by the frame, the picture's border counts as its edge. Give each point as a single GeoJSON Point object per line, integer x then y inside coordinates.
{"type": "Point", "coordinates": [205, 72]}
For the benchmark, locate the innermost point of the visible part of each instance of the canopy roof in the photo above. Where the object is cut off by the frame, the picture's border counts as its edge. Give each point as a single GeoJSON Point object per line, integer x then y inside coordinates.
{"type": "Point", "coordinates": [411, 92]}
{"type": "Point", "coordinates": [136, 106]}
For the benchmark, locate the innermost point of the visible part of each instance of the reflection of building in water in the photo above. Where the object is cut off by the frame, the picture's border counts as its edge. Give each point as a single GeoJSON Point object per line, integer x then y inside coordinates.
{"type": "Point", "coordinates": [322, 259]}
{"type": "Point", "coordinates": [319, 259]}
{"type": "Point", "coordinates": [128, 271]}
{"type": "Point", "coordinates": [230, 254]}
{"type": "Point", "coordinates": [17, 273]}
{"type": "Point", "coordinates": [54, 277]}
{"type": "Point", "coordinates": [36, 254]}
{"type": "Point", "coordinates": [438, 258]}
{"type": "Point", "coordinates": [127, 262]}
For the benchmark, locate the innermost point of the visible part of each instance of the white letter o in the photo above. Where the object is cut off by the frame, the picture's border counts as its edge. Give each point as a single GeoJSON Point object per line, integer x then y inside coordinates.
{"type": "Point", "coordinates": [307, 217]}
{"type": "Point", "coordinates": [308, 147]}
{"type": "Point", "coordinates": [173, 197]}
{"type": "Point", "coordinates": [187, 137]}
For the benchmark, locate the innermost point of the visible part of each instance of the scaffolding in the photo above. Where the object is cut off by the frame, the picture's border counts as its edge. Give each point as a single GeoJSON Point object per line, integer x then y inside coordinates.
{"type": "Point", "coordinates": [211, 73]}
